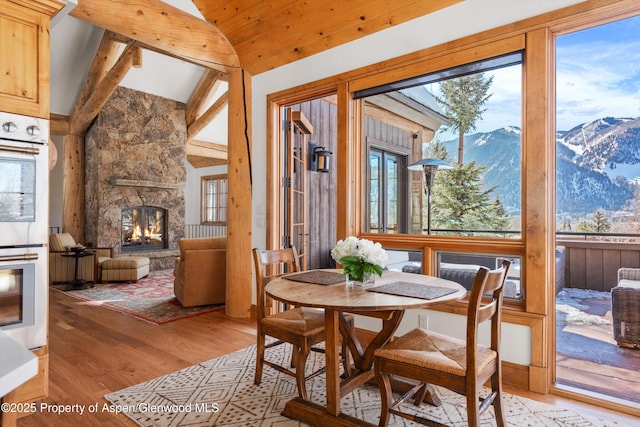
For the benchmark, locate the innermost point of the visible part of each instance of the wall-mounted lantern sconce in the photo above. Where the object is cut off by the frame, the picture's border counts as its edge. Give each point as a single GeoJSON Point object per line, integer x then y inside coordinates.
{"type": "Point", "coordinates": [320, 159]}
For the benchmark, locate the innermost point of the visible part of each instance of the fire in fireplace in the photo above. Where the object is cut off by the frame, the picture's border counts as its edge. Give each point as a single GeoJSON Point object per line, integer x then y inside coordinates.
{"type": "Point", "coordinates": [144, 228]}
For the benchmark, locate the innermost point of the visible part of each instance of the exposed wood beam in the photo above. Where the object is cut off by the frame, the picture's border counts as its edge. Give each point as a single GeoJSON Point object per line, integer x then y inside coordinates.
{"type": "Point", "coordinates": [204, 162]}
{"type": "Point", "coordinates": [207, 149]}
{"type": "Point", "coordinates": [105, 57]}
{"type": "Point", "coordinates": [84, 114]}
{"type": "Point", "coordinates": [73, 220]}
{"type": "Point", "coordinates": [202, 154]}
{"type": "Point", "coordinates": [207, 116]}
{"type": "Point", "coordinates": [137, 59]}
{"type": "Point", "coordinates": [201, 95]}
{"type": "Point", "coordinates": [125, 40]}
{"type": "Point", "coordinates": [58, 125]}
{"type": "Point", "coordinates": [163, 26]}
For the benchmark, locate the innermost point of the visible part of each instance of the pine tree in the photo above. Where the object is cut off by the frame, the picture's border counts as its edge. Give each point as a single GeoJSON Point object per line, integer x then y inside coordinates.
{"type": "Point", "coordinates": [599, 224]}
{"type": "Point", "coordinates": [465, 206]}
{"type": "Point", "coordinates": [439, 151]}
{"type": "Point", "coordinates": [499, 219]}
{"type": "Point", "coordinates": [462, 100]}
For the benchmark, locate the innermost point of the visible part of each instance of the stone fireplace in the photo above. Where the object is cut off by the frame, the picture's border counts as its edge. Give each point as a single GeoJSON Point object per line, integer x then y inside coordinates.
{"type": "Point", "coordinates": [135, 153]}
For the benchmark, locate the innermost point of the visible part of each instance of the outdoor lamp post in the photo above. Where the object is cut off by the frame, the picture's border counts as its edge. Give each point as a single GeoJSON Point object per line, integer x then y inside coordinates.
{"type": "Point", "coordinates": [430, 167]}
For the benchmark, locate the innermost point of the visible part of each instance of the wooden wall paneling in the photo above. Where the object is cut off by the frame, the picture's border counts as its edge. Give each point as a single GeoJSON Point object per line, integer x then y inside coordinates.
{"type": "Point", "coordinates": [314, 189]}
{"type": "Point", "coordinates": [318, 202]}
{"type": "Point", "coordinates": [321, 186]}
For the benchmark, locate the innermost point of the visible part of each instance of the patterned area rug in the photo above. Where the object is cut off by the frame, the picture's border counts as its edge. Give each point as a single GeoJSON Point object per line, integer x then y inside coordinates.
{"type": "Point", "coordinates": [220, 392]}
{"type": "Point", "coordinates": [150, 299]}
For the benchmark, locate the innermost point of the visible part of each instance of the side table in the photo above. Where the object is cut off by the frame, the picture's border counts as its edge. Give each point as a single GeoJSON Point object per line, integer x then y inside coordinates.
{"type": "Point", "coordinates": [77, 282]}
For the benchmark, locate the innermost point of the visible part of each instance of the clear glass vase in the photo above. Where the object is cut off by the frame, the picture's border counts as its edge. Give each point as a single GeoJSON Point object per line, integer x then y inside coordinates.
{"type": "Point", "coordinates": [368, 279]}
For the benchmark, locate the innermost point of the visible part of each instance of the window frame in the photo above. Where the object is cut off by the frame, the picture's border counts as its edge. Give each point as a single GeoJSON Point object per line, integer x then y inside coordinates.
{"type": "Point", "coordinates": [204, 207]}
{"type": "Point", "coordinates": [429, 244]}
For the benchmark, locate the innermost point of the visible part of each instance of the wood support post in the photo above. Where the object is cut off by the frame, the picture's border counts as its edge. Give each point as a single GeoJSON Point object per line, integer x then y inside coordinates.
{"type": "Point", "coordinates": [73, 187]}
{"type": "Point", "coordinates": [239, 277]}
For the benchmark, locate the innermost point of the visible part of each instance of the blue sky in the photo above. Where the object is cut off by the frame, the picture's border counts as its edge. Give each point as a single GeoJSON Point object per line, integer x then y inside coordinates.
{"type": "Point", "coordinates": [598, 75]}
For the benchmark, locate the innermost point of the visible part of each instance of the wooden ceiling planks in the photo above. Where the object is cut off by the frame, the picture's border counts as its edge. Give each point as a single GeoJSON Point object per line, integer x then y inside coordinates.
{"type": "Point", "coordinates": [268, 34]}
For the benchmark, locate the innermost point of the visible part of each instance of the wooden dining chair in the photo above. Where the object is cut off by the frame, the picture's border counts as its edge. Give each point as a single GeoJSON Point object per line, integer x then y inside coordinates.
{"type": "Point", "coordinates": [463, 366]}
{"type": "Point", "coordinates": [301, 327]}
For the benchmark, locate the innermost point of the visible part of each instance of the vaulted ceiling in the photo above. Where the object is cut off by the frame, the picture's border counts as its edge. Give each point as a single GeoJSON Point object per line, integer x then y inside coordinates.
{"type": "Point", "coordinates": [269, 34]}
{"type": "Point", "coordinates": [256, 35]}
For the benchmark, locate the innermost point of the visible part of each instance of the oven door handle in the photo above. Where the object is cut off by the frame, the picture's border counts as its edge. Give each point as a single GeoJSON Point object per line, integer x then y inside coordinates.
{"type": "Point", "coordinates": [21, 257]}
{"type": "Point", "coordinates": [25, 150]}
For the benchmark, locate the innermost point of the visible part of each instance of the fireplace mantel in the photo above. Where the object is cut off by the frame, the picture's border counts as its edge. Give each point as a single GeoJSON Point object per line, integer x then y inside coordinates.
{"type": "Point", "coordinates": [147, 184]}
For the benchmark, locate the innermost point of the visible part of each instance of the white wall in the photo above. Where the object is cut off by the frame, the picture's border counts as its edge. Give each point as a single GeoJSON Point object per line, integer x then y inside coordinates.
{"type": "Point", "coordinates": [192, 190]}
{"type": "Point", "coordinates": [463, 19]}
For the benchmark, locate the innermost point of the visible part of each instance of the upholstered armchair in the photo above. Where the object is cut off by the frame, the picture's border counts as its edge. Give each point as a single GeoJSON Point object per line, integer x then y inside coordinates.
{"type": "Point", "coordinates": [62, 268]}
{"type": "Point", "coordinates": [201, 271]}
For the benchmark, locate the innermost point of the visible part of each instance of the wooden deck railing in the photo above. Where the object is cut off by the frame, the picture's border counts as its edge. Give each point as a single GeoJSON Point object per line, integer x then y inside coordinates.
{"type": "Point", "coordinates": [594, 264]}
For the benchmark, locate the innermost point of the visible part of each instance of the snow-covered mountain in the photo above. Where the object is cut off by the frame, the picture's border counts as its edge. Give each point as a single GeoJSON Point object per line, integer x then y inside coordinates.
{"type": "Point", "coordinates": [597, 163]}
{"type": "Point", "coordinates": [609, 145]}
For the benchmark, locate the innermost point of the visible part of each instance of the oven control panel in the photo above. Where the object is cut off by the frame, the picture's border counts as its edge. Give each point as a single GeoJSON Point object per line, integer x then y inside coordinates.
{"type": "Point", "coordinates": [17, 127]}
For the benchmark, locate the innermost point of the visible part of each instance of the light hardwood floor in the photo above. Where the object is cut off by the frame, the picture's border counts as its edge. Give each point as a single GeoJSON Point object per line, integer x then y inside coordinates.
{"type": "Point", "coordinates": [95, 351]}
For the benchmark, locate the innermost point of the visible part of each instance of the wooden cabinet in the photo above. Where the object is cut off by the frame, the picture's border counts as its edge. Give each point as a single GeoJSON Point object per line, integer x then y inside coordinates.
{"type": "Point", "coordinates": [24, 55]}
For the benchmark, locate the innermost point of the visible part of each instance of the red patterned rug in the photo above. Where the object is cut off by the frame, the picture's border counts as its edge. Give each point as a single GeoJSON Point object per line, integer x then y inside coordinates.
{"type": "Point", "coordinates": [151, 298]}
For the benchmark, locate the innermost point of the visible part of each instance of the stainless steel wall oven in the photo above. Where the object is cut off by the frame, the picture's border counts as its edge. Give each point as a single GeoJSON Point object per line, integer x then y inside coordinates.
{"type": "Point", "coordinates": [24, 224]}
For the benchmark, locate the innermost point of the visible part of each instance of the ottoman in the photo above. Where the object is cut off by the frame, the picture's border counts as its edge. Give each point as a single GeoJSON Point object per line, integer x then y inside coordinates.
{"type": "Point", "coordinates": [124, 269]}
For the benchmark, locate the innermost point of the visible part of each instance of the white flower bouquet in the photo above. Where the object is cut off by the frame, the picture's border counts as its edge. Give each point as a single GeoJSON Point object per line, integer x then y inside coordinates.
{"type": "Point", "coordinates": [360, 257]}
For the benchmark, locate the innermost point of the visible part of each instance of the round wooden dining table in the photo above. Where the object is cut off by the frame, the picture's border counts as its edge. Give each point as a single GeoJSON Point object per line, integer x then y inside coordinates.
{"type": "Point", "coordinates": [310, 289]}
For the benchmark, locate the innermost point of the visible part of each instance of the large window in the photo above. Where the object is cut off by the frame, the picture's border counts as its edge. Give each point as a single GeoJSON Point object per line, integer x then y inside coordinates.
{"type": "Point", "coordinates": [214, 199]}
{"type": "Point", "coordinates": [468, 118]}
{"type": "Point", "coordinates": [598, 132]}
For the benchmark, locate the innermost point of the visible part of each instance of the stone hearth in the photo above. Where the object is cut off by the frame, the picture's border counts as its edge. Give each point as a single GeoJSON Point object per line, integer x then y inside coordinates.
{"type": "Point", "coordinates": [135, 156]}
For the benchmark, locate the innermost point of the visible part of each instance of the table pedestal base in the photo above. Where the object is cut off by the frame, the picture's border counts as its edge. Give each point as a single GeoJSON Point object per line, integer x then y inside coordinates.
{"type": "Point", "coordinates": [316, 415]}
